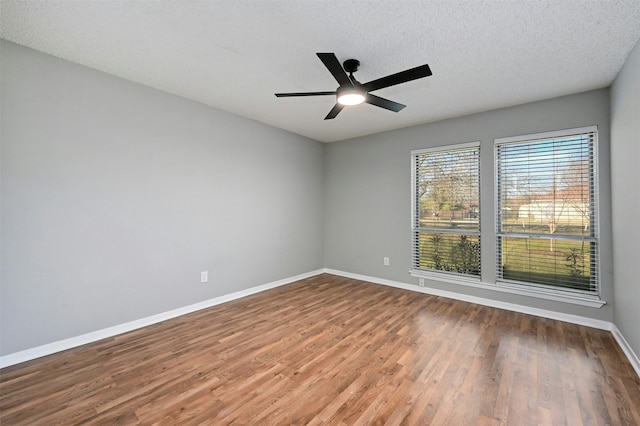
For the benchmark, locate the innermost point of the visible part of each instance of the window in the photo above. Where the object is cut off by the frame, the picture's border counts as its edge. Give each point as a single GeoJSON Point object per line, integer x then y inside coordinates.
{"type": "Point", "coordinates": [546, 211]}
{"type": "Point", "coordinates": [446, 210]}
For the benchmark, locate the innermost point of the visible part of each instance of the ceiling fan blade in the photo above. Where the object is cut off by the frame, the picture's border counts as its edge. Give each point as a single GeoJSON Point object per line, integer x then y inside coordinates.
{"type": "Point", "coordinates": [335, 68]}
{"type": "Point", "coordinates": [288, 95]}
{"type": "Point", "coordinates": [383, 103]}
{"type": "Point", "coordinates": [334, 111]}
{"type": "Point", "coordinates": [397, 78]}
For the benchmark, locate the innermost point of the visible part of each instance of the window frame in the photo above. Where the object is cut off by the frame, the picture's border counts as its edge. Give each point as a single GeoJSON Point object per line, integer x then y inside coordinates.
{"type": "Point", "coordinates": [587, 297]}
{"type": "Point", "coordinates": [416, 230]}
{"type": "Point", "coordinates": [488, 234]}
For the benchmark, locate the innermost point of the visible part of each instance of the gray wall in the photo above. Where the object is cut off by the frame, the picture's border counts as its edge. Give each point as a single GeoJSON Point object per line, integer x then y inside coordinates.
{"type": "Point", "coordinates": [115, 196]}
{"type": "Point", "coordinates": [367, 192]}
{"type": "Point", "coordinates": [625, 195]}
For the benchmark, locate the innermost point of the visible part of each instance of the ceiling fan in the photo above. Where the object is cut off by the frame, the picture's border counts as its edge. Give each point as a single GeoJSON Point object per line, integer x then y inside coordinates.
{"type": "Point", "coordinates": [352, 92]}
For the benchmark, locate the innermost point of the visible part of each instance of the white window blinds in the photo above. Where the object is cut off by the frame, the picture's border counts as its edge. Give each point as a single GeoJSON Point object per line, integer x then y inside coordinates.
{"type": "Point", "coordinates": [546, 210]}
{"type": "Point", "coordinates": [446, 210]}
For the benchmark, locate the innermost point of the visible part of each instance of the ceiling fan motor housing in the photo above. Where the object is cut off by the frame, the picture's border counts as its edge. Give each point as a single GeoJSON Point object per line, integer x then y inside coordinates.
{"type": "Point", "coordinates": [351, 65]}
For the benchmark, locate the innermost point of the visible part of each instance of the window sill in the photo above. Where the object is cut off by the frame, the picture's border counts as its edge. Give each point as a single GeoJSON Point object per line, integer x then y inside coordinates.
{"type": "Point", "coordinates": [506, 287]}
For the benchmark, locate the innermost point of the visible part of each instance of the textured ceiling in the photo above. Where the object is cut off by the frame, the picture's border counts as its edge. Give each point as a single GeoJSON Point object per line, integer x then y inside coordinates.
{"type": "Point", "coordinates": [234, 55]}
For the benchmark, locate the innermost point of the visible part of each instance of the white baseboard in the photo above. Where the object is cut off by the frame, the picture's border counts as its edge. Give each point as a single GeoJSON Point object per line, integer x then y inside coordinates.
{"type": "Point", "coordinates": [50, 348]}
{"type": "Point", "coordinates": [574, 319]}
{"type": "Point", "coordinates": [624, 345]}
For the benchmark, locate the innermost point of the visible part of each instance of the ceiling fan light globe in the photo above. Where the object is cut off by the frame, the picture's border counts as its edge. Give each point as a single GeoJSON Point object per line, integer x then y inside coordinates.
{"type": "Point", "coordinates": [351, 99]}
{"type": "Point", "coordinates": [350, 96]}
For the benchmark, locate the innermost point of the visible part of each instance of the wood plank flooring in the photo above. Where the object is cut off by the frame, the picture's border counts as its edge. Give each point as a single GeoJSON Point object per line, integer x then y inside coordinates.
{"type": "Point", "coordinates": [331, 350]}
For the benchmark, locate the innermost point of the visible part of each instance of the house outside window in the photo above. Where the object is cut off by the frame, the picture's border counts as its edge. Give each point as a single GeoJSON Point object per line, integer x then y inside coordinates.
{"type": "Point", "coordinates": [446, 210]}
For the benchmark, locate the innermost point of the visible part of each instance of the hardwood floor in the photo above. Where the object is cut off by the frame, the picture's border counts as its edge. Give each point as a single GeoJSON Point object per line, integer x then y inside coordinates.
{"type": "Point", "coordinates": [331, 350]}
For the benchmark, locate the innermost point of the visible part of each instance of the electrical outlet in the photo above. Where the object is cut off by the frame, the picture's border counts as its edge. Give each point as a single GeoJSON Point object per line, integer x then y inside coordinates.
{"type": "Point", "coordinates": [204, 276]}
{"type": "Point", "coordinates": [421, 282]}
{"type": "Point", "coordinates": [385, 261]}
